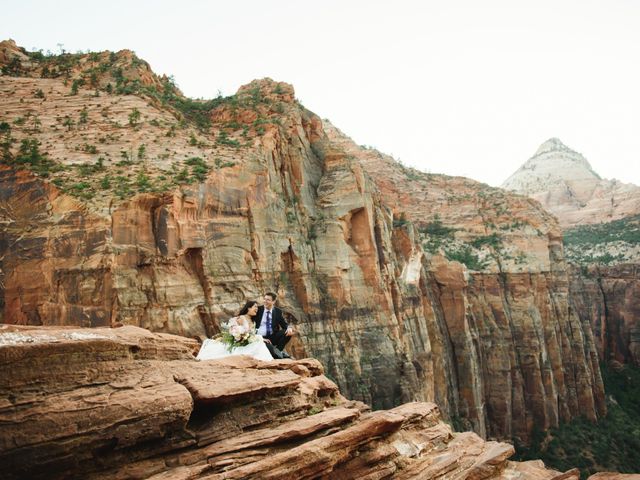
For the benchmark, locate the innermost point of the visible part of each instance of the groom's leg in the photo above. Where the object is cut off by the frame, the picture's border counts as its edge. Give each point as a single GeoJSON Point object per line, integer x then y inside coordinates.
{"type": "Point", "coordinates": [279, 339]}
{"type": "Point", "coordinates": [272, 351]}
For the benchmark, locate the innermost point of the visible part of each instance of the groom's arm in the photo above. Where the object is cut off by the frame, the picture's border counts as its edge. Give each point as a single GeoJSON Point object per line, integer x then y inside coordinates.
{"type": "Point", "coordinates": [284, 325]}
{"type": "Point", "coordinates": [281, 321]}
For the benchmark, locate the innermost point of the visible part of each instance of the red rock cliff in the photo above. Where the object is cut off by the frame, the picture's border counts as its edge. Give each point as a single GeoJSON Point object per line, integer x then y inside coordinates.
{"type": "Point", "coordinates": [126, 212]}
{"type": "Point", "coordinates": [515, 351]}
{"type": "Point", "coordinates": [609, 298]}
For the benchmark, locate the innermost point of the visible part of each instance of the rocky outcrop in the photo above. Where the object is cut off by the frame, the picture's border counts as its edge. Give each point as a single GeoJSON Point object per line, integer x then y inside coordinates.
{"type": "Point", "coordinates": [262, 196]}
{"type": "Point", "coordinates": [609, 299]}
{"type": "Point", "coordinates": [129, 404]}
{"type": "Point", "coordinates": [565, 184]}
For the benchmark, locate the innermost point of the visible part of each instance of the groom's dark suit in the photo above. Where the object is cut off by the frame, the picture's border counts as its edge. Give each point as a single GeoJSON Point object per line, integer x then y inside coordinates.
{"type": "Point", "coordinates": [278, 327]}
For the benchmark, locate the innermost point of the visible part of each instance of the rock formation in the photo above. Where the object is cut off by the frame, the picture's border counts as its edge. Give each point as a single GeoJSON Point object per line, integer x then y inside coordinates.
{"type": "Point", "coordinates": [508, 320]}
{"type": "Point", "coordinates": [125, 203]}
{"type": "Point", "coordinates": [601, 220]}
{"type": "Point", "coordinates": [126, 403]}
{"type": "Point", "coordinates": [609, 298]}
{"type": "Point", "coordinates": [565, 184]}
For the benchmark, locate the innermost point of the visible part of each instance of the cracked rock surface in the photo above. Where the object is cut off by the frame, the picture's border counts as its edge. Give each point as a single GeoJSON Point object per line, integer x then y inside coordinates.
{"type": "Point", "coordinates": [126, 403]}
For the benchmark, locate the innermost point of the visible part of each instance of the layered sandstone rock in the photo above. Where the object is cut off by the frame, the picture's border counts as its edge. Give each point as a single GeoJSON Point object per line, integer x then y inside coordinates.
{"type": "Point", "coordinates": [513, 344]}
{"type": "Point", "coordinates": [565, 184]}
{"type": "Point", "coordinates": [609, 298]}
{"type": "Point", "coordinates": [604, 290]}
{"type": "Point", "coordinates": [129, 404]}
{"type": "Point", "coordinates": [280, 203]}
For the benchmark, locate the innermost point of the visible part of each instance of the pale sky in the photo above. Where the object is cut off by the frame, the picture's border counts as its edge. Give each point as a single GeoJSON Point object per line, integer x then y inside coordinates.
{"type": "Point", "coordinates": [466, 88]}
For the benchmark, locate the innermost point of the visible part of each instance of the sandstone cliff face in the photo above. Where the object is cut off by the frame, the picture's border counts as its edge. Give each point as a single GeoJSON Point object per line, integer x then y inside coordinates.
{"type": "Point", "coordinates": [129, 404]}
{"type": "Point", "coordinates": [600, 221]}
{"type": "Point", "coordinates": [155, 238]}
{"type": "Point", "coordinates": [565, 184]}
{"type": "Point", "coordinates": [609, 298]}
{"type": "Point", "coordinates": [516, 345]}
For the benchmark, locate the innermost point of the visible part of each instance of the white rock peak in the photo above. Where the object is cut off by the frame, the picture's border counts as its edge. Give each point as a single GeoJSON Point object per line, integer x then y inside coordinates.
{"type": "Point", "coordinates": [553, 164]}
{"type": "Point", "coordinates": [566, 185]}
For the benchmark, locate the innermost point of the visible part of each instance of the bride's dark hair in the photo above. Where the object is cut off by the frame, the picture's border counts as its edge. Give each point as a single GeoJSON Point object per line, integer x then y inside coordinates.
{"type": "Point", "coordinates": [247, 306]}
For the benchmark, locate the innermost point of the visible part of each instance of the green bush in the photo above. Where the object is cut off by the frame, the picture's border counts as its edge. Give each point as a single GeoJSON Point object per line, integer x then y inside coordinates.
{"type": "Point", "coordinates": [436, 234]}
{"type": "Point", "coordinates": [437, 229]}
{"type": "Point", "coordinates": [84, 115]}
{"type": "Point", "coordinates": [75, 85]}
{"type": "Point", "coordinates": [492, 240]}
{"type": "Point", "coordinates": [134, 117]}
{"type": "Point", "coordinates": [465, 255]}
{"type": "Point", "coordinates": [143, 182]}
{"type": "Point", "coordinates": [29, 156]}
{"type": "Point", "coordinates": [626, 230]}
{"type": "Point", "coordinates": [81, 190]}
{"type": "Point", "coordinates": [223, 139]}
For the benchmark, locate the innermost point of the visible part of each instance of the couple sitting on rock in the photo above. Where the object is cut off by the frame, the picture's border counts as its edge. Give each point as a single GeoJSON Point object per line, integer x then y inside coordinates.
{"type": "Point", "coordinates": [240, 336]}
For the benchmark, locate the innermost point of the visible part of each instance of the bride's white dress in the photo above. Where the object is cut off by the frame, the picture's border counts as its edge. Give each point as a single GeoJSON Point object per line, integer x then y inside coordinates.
{"type": "Point", "coordinates": [212, 349]}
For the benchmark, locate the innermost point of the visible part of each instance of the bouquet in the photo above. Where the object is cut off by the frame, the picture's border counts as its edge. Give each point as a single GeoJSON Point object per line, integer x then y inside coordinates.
{"type": "Point", "coordinates": [235, 335]}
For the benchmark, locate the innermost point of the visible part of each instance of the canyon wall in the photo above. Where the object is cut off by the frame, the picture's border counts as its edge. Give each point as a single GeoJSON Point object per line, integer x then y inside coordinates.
{"type": "Point", "coordinates": [522, 355]}
{"type": "Point", "coordinates": [601, 229]}
{"type": "Point", "coordinates": [282, 202]}
{"type": "Point", "coordinates": [609, 298]}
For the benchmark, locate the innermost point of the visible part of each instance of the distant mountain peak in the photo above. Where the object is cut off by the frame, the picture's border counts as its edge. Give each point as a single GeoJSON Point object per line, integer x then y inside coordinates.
{"type": "Point", "coordinates": [552, 163]}
{"type": "Point", "coordinates": [565, 183]}
{"type": "Point", "coordinates": [554, 144]}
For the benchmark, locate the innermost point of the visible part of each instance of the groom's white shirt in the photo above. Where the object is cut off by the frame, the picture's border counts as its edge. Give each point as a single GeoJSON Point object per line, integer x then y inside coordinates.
{"type": "Point", "coordinates": [263, 323]}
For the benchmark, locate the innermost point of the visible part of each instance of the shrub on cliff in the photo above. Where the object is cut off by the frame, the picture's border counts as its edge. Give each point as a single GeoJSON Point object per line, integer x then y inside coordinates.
{"type": "Point", "coordinates": [625, 229]}
{"type": "Point", "coordinates": [436, 233]}
{"type": "Point", "coordinates": [30, 156]}
{"type": "Point", "coordinates": [466, 255]}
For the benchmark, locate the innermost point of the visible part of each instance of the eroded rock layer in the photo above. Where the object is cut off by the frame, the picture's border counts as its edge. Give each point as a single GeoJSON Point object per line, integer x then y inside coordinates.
{"type": "Point", "coordinates": [609, 298]}
{"type": "Point", "coordinates": [515, 351]}
{"type": "Point", "coordinates": [262, 196]}
{"type": "Point", "coordinates": [130, 404]}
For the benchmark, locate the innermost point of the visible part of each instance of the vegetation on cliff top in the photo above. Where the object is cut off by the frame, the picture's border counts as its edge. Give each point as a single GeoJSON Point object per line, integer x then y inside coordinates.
{"type": "Point", "coordinates": [613, 444]}
{"type": "Point", "coordinates": [604, 243]}
{"type": "Point", "coordinates": [123, 73]}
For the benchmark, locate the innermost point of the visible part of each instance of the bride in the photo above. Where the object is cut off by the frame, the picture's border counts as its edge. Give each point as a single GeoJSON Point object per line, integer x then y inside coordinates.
{"type": "Point", "coordinates": [212, 349]}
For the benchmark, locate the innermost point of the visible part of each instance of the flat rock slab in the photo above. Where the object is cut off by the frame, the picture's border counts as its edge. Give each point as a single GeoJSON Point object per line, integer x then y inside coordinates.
{"type": "Point", "coordinates": [213, 382]}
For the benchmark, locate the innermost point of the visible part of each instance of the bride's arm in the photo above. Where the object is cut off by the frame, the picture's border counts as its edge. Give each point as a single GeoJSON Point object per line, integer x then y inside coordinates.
{"type": "Point", "coordinates": [242, 321]}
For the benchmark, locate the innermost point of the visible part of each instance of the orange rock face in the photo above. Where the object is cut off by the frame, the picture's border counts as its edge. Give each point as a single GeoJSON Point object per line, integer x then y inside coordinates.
{"type": "Point", "coordinates": [609, 298]}
{"type": "Point", "coordinates": [126, 403]}
{"type": "Point", "coordinates": [509, 344]}
{"type": "Point", "coordinates": [286, 205]}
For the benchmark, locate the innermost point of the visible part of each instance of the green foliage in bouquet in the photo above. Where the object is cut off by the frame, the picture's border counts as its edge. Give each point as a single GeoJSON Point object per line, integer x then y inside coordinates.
{"type": "Point", "coordinates": [236, 336]}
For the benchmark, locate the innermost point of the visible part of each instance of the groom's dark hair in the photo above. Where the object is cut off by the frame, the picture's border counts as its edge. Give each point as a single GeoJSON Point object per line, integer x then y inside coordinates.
{"type": "Point", "coordinates": [272, 295]}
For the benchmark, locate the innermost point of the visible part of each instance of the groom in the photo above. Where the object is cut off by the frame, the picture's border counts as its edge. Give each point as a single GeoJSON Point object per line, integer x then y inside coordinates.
{"type": "Point", "coordinates": [271, 325]}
